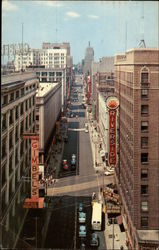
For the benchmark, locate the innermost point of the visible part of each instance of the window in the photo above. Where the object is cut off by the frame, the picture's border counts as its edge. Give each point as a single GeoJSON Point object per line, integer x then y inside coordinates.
{"type": "Point", "coordinates": [26, 123]}
{"type": "Point", "coordinates": [29, 119]}
{"type": "Point", "coordinates": [44, 73]}
{"type": "Point", "coordinates": [51, 73]}
{"type": "Point", "coordinates": [16, 112]}
{"type": "Point", "coordinates": [30, 103]}
{"type": "Point", "coordinates": [16, 156]}
{"type": "Point", "coordinates": [5, 100]}
{"type": "Point", "coordinates": [17, 94]}
{"type": "Point", "coordinates": [4, 122]}
{"type": "Point", "coordinates": [144, 206]}
{"type": "Point", "coordinates": [144, 142]}
{"type": "Point", "coordinates": [16, 134]}
{"type": "Point", "coordinates": [144, 221]}
{"type": "Point", "coordinates": [21, 109]}
{"type": "Point", "coordinates": [21, 128]}
{"type": "Point", "coordinates": [11, 117]}
{"type": "Point", "coordinates": [144, 189]}
{"type": "Point", "coordinates": [144, 157]}
{"type": "Point", "coordinates": [144, 174]}
{"type": "Point", "coordinates": [21, 149]}
{"type": "Point", "coordinates": [3, 148]}
{"type": "Point", "coordinates": [58, 73]}
{"type": "Point", "coordinates": [144, 109]}
{"type": "Point", "coordinates": [11, 97]}
{"type": "Point", "coordinates": [144, 77]}
{"type": "Point", "coordinates": [26, 105]}
{"type": "Point", "coordinates": [144, 93]}
{"type": "Point", "coordinates": [37, 117]}
{"type": "Point", "coordinates": [10, 165]}
{"type": "Point", "coordinates": [22, 92]}
{"type": "Point", "coordinates": [10, 140]}
{"type": "Point", "coordinates": [144, 126]}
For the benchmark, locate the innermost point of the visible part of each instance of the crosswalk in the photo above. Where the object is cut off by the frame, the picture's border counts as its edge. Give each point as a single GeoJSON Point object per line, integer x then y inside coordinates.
{"type": "Point", "coordinates": [71, 188]}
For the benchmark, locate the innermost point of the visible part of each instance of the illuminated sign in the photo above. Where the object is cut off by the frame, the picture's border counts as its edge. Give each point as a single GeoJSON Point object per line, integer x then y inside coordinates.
{"type": "Point", "coordinates": [34, 169]}
{"type": "Point", "coordinates": [112, 105]}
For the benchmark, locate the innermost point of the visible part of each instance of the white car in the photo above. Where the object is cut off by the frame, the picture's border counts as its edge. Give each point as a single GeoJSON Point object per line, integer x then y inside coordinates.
{"type": "Point", "coordinates": [82, 231]}
{"type": "Point", "coordinates": [82, 217]}
{"type": "Point", "coordinates": [108, 173]}
{"type": "Point", "coordinates": [86, 130]}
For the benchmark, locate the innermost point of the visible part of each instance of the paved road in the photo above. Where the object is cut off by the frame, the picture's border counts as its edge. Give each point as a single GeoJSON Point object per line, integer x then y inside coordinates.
{"type": "Point", "coordinates": [57, 225]}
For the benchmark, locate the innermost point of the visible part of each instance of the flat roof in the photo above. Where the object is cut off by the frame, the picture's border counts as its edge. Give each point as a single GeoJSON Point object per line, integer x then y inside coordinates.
{"type": "Point", "coordinates": [45, 88]}
{"type": "Point", "coordinates": [17, 78]}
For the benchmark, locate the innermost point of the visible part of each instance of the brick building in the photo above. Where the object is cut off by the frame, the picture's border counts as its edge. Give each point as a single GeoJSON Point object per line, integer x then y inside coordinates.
{"type": "Point", "coordinates": [137, 174]}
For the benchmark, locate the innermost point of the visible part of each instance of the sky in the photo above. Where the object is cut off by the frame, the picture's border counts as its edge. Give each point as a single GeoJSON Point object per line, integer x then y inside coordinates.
{"type": "Point", "coordinates": [111, 26]}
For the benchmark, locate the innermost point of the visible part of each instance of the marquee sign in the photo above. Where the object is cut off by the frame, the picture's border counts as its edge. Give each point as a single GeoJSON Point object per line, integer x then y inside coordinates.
{"type": "Point", "coordinates": [112, 105]}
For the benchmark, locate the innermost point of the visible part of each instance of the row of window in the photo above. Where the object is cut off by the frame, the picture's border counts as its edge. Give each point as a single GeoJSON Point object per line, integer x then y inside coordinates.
{"type": "Point", "coordinates": [18, 134]}
{"type": "Point", "coordinates": [15, 95]}
{"type": "Point", "coordinates": [49, 73]}
{"type": "Point", "coordinates": [28, 104]}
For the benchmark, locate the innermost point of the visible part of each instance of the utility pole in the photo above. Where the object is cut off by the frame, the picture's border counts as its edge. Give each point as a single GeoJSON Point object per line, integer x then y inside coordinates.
{"type": "Point", "coordinates": [113, 233]}
{"type": "Point", "coordinates": [36, 232]}
{"type": "Point", "coordinates": [22, 48]}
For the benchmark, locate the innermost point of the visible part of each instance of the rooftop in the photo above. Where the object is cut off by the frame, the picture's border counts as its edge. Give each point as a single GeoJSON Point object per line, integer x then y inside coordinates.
{"type": "Point", "coordinates": [45, 88]}
{"type": "Point", "coordinates": [15, 78]}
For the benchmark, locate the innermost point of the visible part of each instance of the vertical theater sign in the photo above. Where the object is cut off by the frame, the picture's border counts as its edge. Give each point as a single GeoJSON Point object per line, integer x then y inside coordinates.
{"type": "Point", "coordinates": [112, 104]}
{"type": "Point", "coordinates": [35, 201]}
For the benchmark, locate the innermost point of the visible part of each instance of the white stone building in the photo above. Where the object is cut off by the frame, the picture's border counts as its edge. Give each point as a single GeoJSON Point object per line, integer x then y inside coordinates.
{"type": "Point", "coordinates": [48, 107]}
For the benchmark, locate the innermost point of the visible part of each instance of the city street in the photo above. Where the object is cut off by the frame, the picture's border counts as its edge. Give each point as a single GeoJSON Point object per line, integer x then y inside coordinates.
{"type": "Point", "coordinates": [57, 225]}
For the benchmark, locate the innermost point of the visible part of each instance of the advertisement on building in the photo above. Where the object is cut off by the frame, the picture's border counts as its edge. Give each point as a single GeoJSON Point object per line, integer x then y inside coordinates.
{"type": "Point", "coordinates": [112, 104]}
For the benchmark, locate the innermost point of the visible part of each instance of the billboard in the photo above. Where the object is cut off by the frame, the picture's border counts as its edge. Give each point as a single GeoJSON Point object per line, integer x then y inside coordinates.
{"type": "Point", "coordinates": [112, 105]}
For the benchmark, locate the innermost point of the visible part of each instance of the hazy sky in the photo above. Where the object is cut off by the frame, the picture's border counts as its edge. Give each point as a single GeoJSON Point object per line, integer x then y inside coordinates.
{"type": "Point", "coordinates": [103, 23]}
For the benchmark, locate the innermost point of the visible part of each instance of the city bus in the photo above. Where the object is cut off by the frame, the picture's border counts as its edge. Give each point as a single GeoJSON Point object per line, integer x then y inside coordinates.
{"type": "Point", "coordinates": [96, 222]}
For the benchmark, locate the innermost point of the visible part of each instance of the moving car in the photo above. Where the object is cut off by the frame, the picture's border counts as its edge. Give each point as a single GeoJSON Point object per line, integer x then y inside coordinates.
{"type": "Point", "coordinates": [108, 173]}
{"type": "Point", "coordinates": [94, 242]}
{"type": "Point", "coordinates": [82, 217]}
{"type": "Point", "coordinates": [82, 231]}
{"type": "Point", "coordinates": [73, 161]}
{"type": "Point", "coordinates": [80, 207]}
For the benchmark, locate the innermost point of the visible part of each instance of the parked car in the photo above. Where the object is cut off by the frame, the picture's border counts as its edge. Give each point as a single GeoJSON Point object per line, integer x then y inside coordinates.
{"type": "Point", "coordinates": [82, 217]}
{"type": "Point", "coordinates": [82, 231]}
{"type": "Point", "coordinates": [80, 207]}
{"type": "Point", "coordinates": [94, 242]}
{"type": "Point", "coordinates": [65, 165]}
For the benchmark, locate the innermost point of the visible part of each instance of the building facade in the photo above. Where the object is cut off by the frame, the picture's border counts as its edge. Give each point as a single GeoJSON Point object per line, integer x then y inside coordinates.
{"type": "Point", "coordinates": [48, 58]}
{"type": "Point", "coordinates": [137, 175]}
{"type": "Point", "coordinates": [18, 93]}
{"type": "Point", "coordinates": [48, 108]}
{"type": "Point", "coordinates": [52, 76]}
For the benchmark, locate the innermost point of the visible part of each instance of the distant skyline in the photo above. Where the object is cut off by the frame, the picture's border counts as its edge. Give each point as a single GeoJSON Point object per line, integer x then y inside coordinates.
{"type": "Point", "coordinates": [103, 23]}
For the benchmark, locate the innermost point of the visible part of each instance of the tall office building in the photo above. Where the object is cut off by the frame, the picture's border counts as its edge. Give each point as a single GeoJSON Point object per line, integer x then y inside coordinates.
{"type": "Point", "coordinates": [89, 57]}
{"type": "Point", "coordinates": [137, 175]}
{"type": "Point", "coordinates": [18, 93]}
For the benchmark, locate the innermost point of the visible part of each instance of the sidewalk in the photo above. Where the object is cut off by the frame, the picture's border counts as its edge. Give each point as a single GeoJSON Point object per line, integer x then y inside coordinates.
{"type": "Point", "coordinates": [110, 229]}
